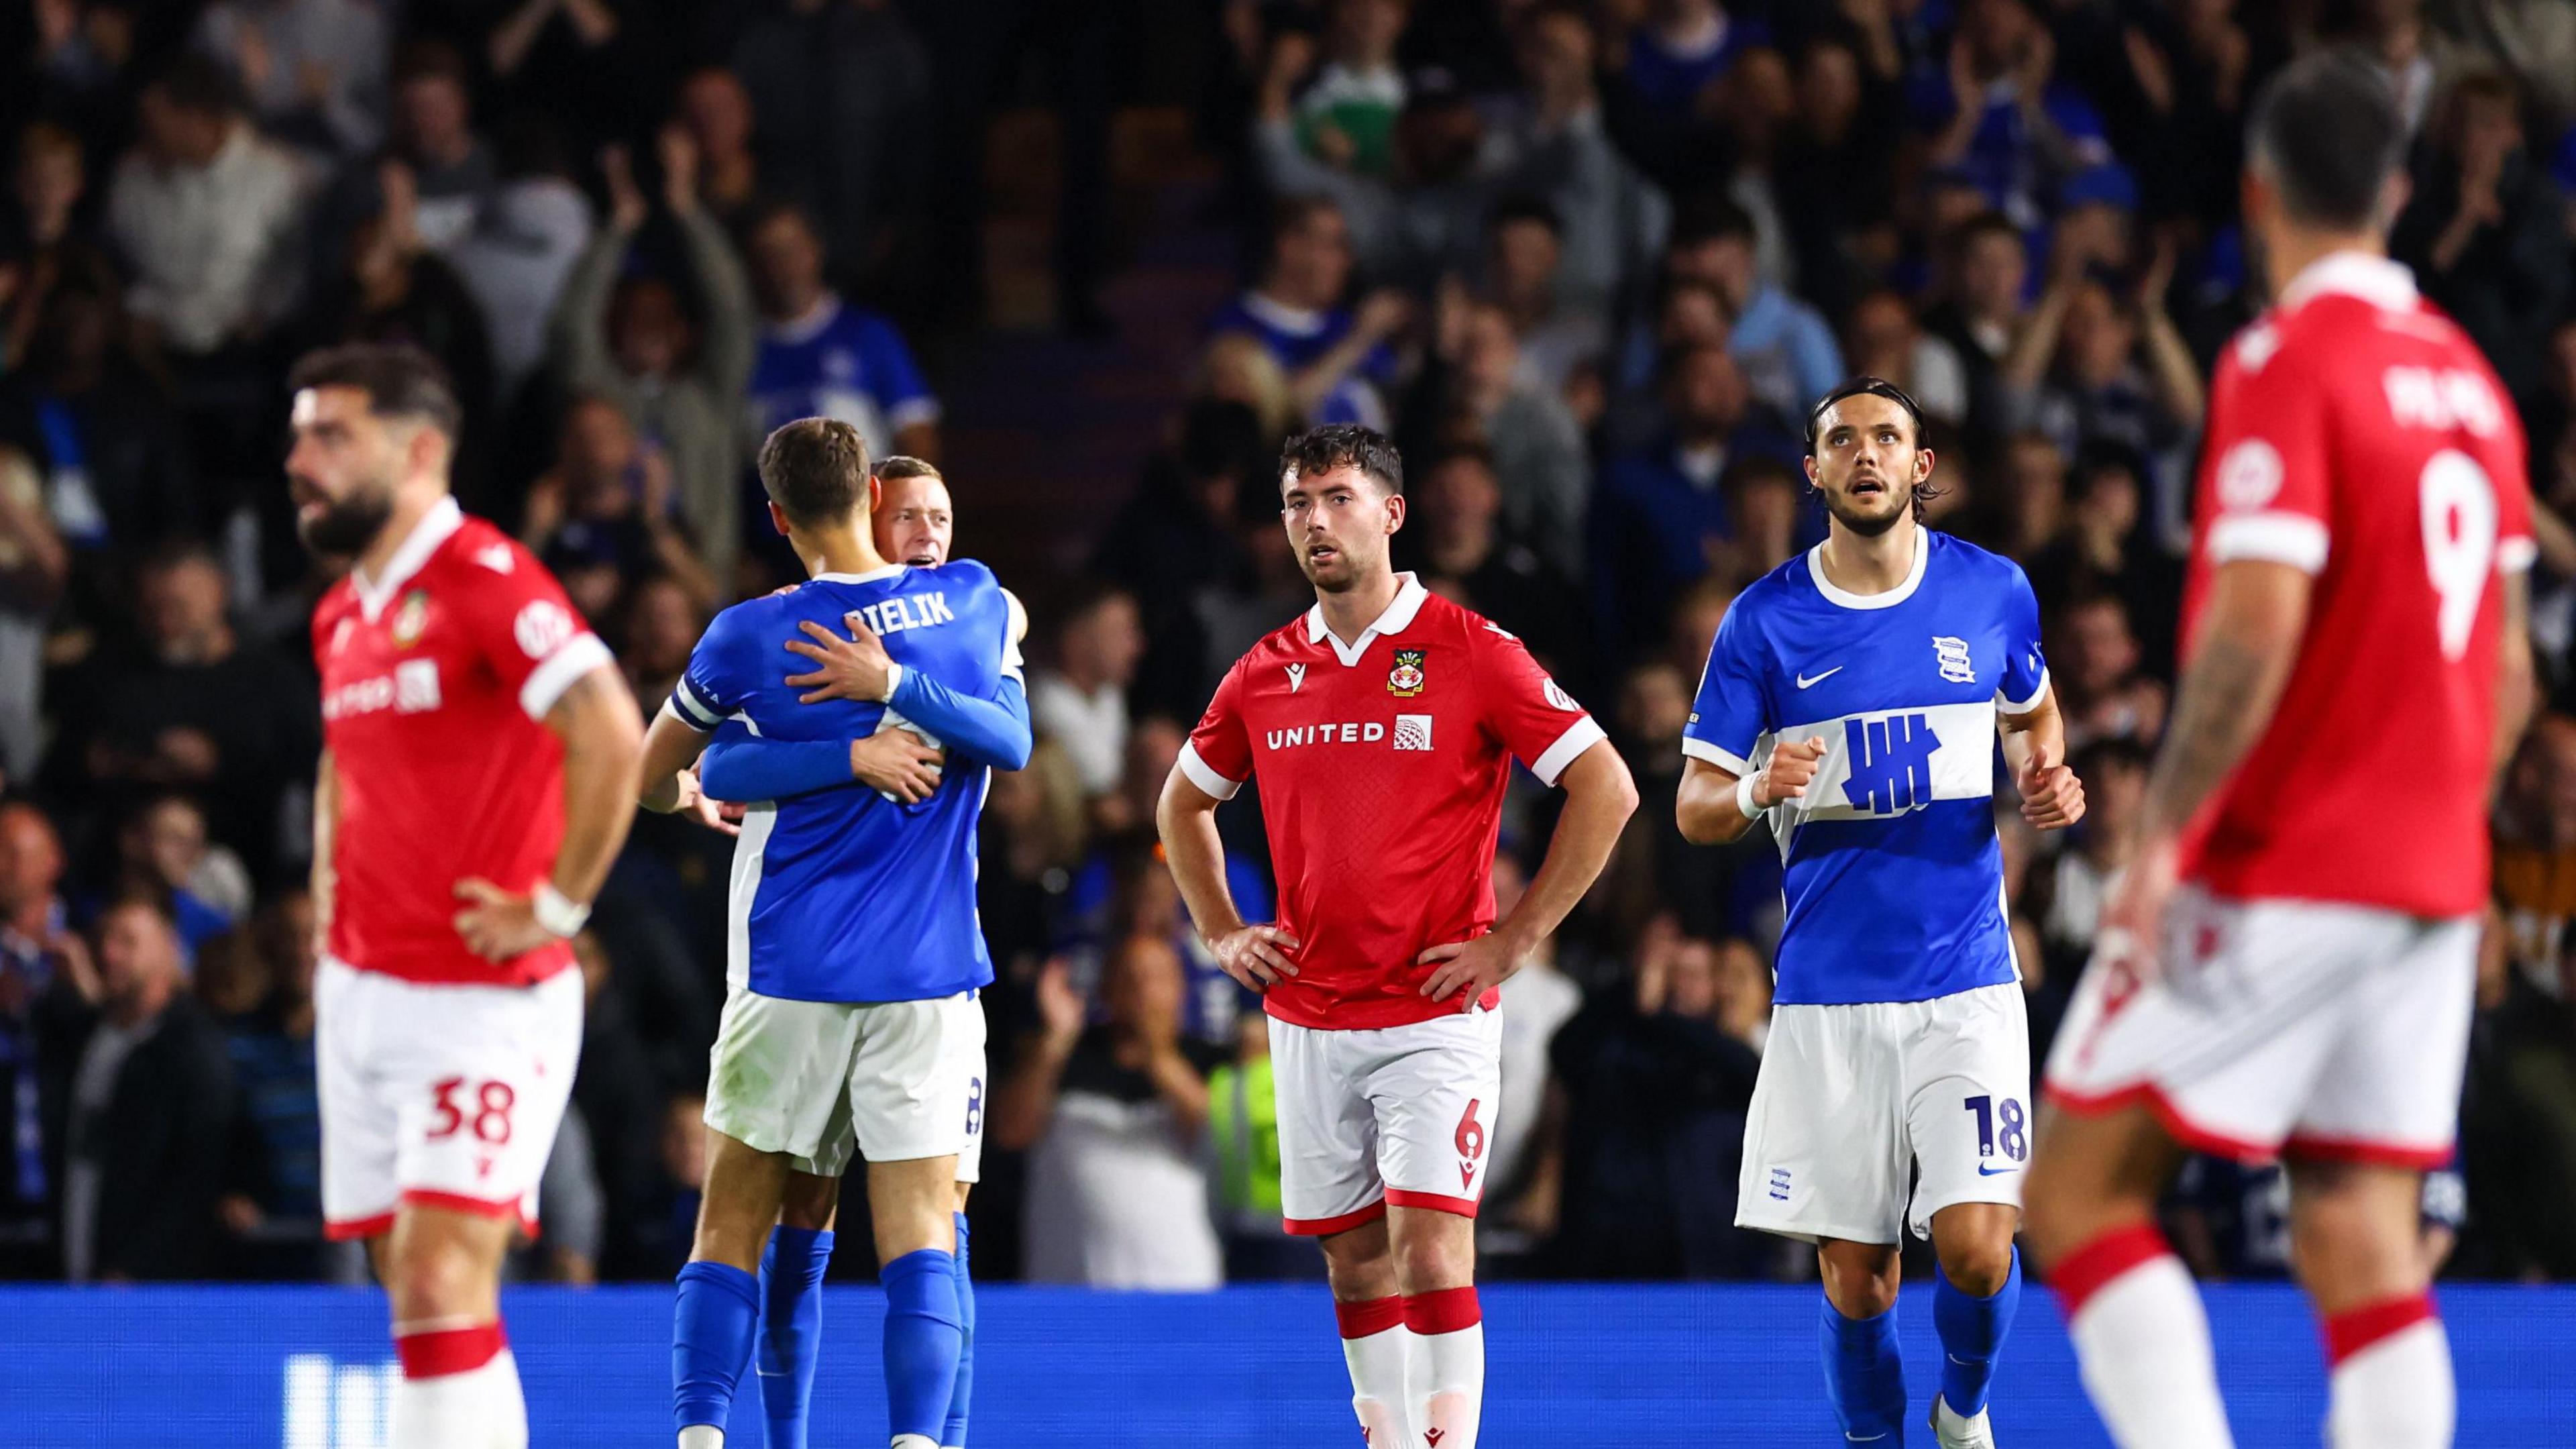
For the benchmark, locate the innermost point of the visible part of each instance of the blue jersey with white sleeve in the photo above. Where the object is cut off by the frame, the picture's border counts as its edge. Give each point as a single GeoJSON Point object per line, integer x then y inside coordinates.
{"type": "Point", "coordinates": [843, 894]}
{"type": "Point", "coordinates": [1894, 884]}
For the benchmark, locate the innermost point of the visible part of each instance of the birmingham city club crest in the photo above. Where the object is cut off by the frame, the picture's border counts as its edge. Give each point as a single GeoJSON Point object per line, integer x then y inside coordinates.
{"type": "Point", "coordinates": [1404, 681]}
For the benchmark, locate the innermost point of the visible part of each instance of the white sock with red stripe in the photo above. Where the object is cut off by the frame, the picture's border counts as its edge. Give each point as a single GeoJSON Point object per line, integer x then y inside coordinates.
{"type": "Point", "coordinates": [2143, 1341]}
{"type": "Point", "coordinates": [459, 1390]}
{"type": "Point", "coordinates": [2392, 1376]}
{"type": "Point", "coordinates": [1374, 1344]}
{"type": "Point", "coordinates": [1448, 1330]}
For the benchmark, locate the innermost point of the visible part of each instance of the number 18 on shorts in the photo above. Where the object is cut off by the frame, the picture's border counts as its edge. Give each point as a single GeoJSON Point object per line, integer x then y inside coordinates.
{"type": "Point", "coordinates": [1853, 1098]}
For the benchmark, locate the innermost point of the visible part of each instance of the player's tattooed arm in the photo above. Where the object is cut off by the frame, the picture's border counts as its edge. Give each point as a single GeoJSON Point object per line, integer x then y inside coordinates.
{"type": "Point", "coordinates": [2249, 640]}
{"type": "Point", "coordinates": [603, 746]}
{"type": "Point", "coordinates": [2514, 687]}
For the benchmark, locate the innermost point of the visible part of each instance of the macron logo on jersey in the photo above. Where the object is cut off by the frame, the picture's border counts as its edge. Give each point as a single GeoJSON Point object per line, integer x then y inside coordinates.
{"type": "Point", "coordinates": [907, 611]}
{"type": "Point", "coordinates": [1891, 763]}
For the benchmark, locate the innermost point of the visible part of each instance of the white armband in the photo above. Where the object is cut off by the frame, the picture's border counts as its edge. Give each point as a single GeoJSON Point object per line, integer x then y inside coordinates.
{"type": "Point", "coordinates": [1744, 797]}
{"type": "Point", "coordinates": [894, 681]}
{"type": "Point", "coordinates": [558, 913]}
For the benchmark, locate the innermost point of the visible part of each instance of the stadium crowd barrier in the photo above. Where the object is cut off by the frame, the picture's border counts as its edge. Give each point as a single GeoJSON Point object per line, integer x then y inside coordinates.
{"type": "Point", "coordinates": [308, 1368]}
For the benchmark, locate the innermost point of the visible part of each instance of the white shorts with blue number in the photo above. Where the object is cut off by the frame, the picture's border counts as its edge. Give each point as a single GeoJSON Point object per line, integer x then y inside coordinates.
{"type": "Point", "coordinates": [1853, 1099]}
{"type": "Point", "coordinates": [827, 1082]}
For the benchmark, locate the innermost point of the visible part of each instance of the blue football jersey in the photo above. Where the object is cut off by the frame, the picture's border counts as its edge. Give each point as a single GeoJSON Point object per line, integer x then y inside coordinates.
{"type": "Point", "coordinates": [1895, 884]}
{"type": "Point", "coordinates": [844, 894]}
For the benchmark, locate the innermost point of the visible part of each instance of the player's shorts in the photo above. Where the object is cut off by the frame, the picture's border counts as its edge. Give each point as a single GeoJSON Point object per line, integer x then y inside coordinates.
{"type": "Point", "coordinates": [2282, 1027]}
{"type": "Point", "coordinates": [1398, 1114]}
{"type": "Point", "coordinates": [827, 1081]}
{"type": "Point", "coordinates": [438, 1095]}
{"type": "Point", "coordinates": [1853, 1099]}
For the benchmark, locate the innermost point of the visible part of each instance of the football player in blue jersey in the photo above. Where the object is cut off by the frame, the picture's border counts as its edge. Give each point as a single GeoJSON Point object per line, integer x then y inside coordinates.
{"type": "Point", "coordinates": [1851, 702]}
{"type": "Point", "coordinates": [913, 524]}
{"type": "Point", "coordinates": [851, 1023]}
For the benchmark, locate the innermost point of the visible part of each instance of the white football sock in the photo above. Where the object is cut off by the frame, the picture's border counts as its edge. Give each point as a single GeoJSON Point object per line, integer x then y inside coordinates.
{"type": "Point", "coordinates": [2392, 1390]}
{"type": "Point", "coordinates": [479, 1407]}
{"type": "Point", "coordinates": [1375, 1347]}
{"type": "Point", "coordinates": [1448, 1379]}
{"type": "Point", "coordinates": [702, 1436]}
{"type": "Point", "coordinates": [2143, 1340]}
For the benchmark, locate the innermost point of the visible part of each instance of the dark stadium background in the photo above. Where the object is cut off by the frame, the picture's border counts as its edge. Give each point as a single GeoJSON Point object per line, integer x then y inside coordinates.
{"type": "Point", "coordinates": [1596, 258]}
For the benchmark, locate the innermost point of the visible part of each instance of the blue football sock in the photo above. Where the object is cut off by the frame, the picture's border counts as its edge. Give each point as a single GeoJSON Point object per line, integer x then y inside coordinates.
{"type": "Point", "coordinates": [712, 1325]}
{"type": "Point", "coordinates": [1972, 1333]}
{"type": "Point", "coordinates": [1865, 1374]}
{"type": "Point", "coordinates": [921, 1341]}
{"type": "Point", "coordinates": [955, 1437]}
{"type": "Point", "coordinates": [791, 1328]}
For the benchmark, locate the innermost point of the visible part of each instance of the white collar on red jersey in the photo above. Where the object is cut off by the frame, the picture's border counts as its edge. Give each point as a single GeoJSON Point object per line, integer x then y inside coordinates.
{"type": "Point", "coordinates": [442, 520]}
{"type": "Point", "coordinates": [1398, 615]}
{"type": "Point", "coordinates": [2382, 283]}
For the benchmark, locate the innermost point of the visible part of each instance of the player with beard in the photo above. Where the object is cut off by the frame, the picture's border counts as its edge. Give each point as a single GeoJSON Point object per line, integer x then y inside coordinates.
{"type": "Point", "coordinates": [480, 756]}
{"type": "Point", "coordinates": [1384, 724]}
{"type": "Point", "coordinates": [1851, 701]}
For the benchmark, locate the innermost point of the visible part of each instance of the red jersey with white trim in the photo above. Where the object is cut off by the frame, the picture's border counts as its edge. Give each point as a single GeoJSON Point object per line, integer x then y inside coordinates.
{"type": "Point", "coordinates": [435, 683]}
{"type": "Point", "coordinates": [2357, 434]}
{"type": "Point", "coordinates": [1382, 772]}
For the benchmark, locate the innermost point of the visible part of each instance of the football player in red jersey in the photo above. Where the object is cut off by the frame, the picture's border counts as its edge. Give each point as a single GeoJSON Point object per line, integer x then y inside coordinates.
{"type": "Point", "coordinates": [479, 766]}
{"type": "Point", "coordinates": [1383, 725]}
{"type": "Point", "coordinates": [2288, 966]}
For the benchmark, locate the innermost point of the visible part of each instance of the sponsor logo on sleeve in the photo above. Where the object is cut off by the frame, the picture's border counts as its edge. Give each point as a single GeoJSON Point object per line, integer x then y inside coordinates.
{"type": "Point", "coordinates": [541, 627]}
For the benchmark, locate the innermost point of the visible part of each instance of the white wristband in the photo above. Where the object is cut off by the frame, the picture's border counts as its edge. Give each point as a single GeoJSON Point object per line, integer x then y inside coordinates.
{"type": "Point", "coordinates": [1744, 797]}
{"type": "Point", "coordinates": [558, 913]}
{"type": "Point", "coordinates": [894, 681]}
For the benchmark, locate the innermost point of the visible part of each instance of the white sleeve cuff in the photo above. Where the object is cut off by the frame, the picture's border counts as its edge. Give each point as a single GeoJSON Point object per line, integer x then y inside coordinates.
{"type": "Point", "coordinates": [2275, 537]}
{"type": "Point", "coordinates": [1582, 735]}
{"type": "Point", "coordinates": [572, 659]}
{"type": "Point", "coordinates": [1204, 775]}
{"type": "Point", "coordinates": [2517, 555]}
{"type": "Point", "coordinates": [1735, 765]}
{"type": "Point", "coordinates": [2038, 692]}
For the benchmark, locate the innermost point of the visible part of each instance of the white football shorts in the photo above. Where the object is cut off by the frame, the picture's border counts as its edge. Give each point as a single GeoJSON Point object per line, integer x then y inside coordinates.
{"type": "Point", "coordinates": [1397, 1114]}
{"type": "Point", "coordinates": [438, 1095]}
{"type": "Point", "coordinates": [827, 1081]}
{"type": "Point", "coordinates": [2273, 1028]}
{"type": "Point", "coordinates": [1852, 1099]}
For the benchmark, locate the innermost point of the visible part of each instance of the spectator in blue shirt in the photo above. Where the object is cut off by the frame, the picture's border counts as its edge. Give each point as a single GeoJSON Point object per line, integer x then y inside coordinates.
{"type": "Point", "coordinates": [822, 357]}
{"type": "Point", "coordinates": [1684, 47]}
{"type": "Point", "coordinates": [1661, 512]}
{"type": "Point", "coordinates": [1788, 353]}
{"type": "Point", "coordinates": [2005, 120]}
{"type": "Point", "coordinates": [1337, 361]}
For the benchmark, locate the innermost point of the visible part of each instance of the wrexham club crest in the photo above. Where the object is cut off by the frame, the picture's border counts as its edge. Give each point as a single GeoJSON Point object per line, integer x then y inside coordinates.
{"type": "Point", "coordinates": [1405, 680]}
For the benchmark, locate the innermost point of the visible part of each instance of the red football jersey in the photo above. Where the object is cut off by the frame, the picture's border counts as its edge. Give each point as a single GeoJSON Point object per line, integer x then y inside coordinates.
{"type": "Point", "coordinates": [436, 680]}
{"type": "Point", "coordinates": [2357, 434]}
{"type": "Point", "coordinates": [1382, 771]}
